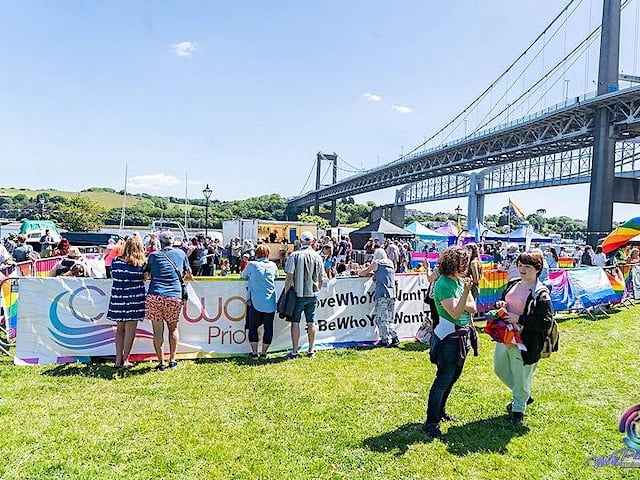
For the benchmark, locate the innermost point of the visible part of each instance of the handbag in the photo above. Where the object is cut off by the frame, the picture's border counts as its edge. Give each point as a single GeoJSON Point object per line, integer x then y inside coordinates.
{"type": "Point", "coordinates": [183, 287]}
{"type": "Point", "coordinates": [424, 333]}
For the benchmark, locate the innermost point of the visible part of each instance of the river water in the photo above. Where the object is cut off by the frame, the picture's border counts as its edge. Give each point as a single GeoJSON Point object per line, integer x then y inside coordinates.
{"type": "Point", "coordinates": [15, 227]}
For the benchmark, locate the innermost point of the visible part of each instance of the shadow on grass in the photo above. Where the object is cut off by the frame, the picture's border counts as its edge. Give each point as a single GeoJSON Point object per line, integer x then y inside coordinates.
{"type": "Point", "coordinates": [244, 360]}
{"type": "Point", "coordinates": [96, 370]}
{"type": "Point", "coordinates": [398, 440]}
{"type": "Point", "coordinates": [486, 435]}
{"type": "Point", "coordinates": [414, 347]}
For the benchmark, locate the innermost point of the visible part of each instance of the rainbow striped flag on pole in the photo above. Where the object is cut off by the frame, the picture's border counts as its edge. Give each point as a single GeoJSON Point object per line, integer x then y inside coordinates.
{"type": "Point", "coordinates": [515, 210]}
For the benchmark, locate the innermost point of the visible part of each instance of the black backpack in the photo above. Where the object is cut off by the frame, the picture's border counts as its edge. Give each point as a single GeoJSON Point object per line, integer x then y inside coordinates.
{"type": "Point", "coordinates": [551, 340]}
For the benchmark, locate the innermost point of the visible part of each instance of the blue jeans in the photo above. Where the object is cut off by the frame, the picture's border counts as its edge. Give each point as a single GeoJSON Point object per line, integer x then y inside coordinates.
{"type": "Point", "coordinates": [306, 305]}
{"type": "Point", "coordinates": [447, 374]}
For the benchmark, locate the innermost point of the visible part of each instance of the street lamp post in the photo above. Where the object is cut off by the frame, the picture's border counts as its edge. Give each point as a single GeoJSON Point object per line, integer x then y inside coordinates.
{"type": "Point", "coordinates": [41, 201]}
{"type": "Point", "coordinates": [207, 194]}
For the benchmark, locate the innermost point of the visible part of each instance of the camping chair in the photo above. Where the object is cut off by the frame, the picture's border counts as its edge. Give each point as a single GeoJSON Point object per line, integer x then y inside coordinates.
{"type": "Point", "coordinates": [588, 308]}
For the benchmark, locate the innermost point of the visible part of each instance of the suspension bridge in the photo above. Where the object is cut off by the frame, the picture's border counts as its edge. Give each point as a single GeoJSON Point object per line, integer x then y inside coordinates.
{"type": "Point", "coordinates": [584, 139]}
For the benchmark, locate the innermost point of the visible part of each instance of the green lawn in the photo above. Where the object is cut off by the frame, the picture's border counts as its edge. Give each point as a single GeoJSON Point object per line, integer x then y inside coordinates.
{"type": "Point", "coordinates": [346, 414]}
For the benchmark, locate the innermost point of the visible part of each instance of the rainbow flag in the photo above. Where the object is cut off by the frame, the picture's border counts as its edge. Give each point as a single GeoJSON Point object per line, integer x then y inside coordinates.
{"type": "Point", "coordinates": [491, 286]}
{"type": "Point", "coordinates": [9, 294]}
{"type": "Point", "coordinates": [501, 331]}
{"type": "Point", "coordinates": [565, 262]}
{"type": "Point", "coordinates": [487, 261]}
{"type": "Point", "coordinates": [617, 283]}
{"type": "Point", "coordinates": [515, 210]}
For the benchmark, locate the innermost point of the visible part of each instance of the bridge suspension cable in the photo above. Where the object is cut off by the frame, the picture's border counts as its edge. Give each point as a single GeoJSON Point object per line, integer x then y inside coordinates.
{"type": "Point", "coordinates": [313, 167]}
{"type": "Point", "coordinates": [504, 74]}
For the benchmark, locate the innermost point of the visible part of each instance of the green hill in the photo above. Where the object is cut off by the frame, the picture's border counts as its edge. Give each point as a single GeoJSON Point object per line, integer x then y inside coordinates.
{"type": "Point", "coordinates": [107, 200]}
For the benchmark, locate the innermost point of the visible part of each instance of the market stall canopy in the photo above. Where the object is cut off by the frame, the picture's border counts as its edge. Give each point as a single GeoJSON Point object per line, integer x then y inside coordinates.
{"type": "Point", "coordinates": [380, 227]}
{"type": "Point", "coordinates": [519, 235]}
{"type": "Point", "coordinates": [480, 232]}
{"type": "Point", "coordinates": [449, 228]}
{"type": "Point", "coordinates": [621, 235]}
{"type": "Point", "coordinates": [424, 233]}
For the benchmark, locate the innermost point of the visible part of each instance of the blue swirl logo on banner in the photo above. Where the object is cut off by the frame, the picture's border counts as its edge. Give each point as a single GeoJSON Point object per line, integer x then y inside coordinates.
{"type": "Point", "coordinates": [630, 424]}
{"type": "Point", "coordinates": [78, 337]}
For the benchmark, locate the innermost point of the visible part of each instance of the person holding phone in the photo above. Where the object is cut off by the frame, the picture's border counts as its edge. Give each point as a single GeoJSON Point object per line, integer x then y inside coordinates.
{"type": "Point", "coordinates": [453, 336]}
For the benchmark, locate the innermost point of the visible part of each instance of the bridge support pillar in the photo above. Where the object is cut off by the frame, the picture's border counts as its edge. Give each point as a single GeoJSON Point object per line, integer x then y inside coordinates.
{"type": "Point", "coordinates": [397, 215]}
{"type": "Point", "coordinates": [475, 207]}
{"type": "Point", "coordinates": [600, 216]}
{"type": "Point", "coordinates": [377, 213]}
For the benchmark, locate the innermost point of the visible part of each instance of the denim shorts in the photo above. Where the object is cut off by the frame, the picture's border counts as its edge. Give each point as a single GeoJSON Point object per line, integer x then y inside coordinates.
{"type": "Point", "coordinates": [306, 305]}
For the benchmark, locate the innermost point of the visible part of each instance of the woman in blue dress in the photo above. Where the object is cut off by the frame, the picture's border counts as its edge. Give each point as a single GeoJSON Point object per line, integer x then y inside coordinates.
{"type": "Point", "coordinates": [127, 302]}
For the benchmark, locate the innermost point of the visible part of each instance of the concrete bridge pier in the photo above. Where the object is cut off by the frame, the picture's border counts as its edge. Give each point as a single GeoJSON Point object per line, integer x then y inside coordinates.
{"type": "Point", "coordinates": [392, 213]}
{"type": "Point", "coordinates": [475, 207]}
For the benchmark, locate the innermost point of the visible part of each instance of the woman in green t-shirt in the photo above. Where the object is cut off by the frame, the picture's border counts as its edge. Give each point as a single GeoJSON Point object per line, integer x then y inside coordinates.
{"type": "Point", "coordinates": [450, 342]}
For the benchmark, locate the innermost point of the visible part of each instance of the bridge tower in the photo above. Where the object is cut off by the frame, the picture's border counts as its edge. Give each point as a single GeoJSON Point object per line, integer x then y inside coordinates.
{"type": "Point", "coordinates": [326, 157]}
{"type": "Point", "coordinates": [601, 191]}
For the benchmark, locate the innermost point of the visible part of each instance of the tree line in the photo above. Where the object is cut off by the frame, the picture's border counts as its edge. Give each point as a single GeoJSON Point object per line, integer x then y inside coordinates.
{"type": "Point", "coordinates": [79, 213]}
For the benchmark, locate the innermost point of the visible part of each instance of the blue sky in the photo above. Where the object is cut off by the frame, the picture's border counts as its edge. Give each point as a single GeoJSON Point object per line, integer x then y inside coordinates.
{"type": "Point", "coordinates": [242, 95]}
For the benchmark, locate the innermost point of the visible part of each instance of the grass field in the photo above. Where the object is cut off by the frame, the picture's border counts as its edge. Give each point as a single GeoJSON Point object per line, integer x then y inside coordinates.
{"type": "Point", "coordinates": [106, 200]}
{"type": "Point", "coordinates": [346, 414]}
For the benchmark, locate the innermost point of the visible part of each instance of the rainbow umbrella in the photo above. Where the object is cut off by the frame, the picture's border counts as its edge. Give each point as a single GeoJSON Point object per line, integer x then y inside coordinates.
{"type": "Point", "coordinates": [621, 235]}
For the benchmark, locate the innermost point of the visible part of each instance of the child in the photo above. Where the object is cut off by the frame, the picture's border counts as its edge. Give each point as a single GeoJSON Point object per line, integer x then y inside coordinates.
{"type": "Point", "coordinates": [224, 267]}
{"type": "Point", "coordinates": [244, 261]}
{"type": "Point", "coordinates": [402, 268]}
{"type": "Point", "coordinates": [329, 261]}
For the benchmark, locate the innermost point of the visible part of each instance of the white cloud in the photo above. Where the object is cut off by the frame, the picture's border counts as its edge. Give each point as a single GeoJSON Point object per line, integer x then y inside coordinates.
{"type": "Point", "coordinates": [155, 181]}
{"type": "Point", "coordinates": [402, 109]}
{"type": "Point", "coordinates": [183, 49]}
{"type": "Point", "coordinates": [373, 97]}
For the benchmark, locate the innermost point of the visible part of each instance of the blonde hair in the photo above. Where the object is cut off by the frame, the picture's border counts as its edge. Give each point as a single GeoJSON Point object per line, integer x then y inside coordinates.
{"type": "Point", "coordinates": [119, 247]}
{"type": "Point", "coordinates": [133, 252]}
{"type": "Point", "coordinates": [262, 251]}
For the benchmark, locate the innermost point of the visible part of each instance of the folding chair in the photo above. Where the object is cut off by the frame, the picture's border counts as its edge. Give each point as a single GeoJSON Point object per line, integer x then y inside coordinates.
{"type": "Point", "coordinates": [592, 311]}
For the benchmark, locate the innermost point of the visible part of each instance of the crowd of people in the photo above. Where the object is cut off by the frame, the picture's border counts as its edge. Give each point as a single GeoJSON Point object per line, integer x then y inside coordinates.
{"type": "Point", "coordinates": [454, 282]}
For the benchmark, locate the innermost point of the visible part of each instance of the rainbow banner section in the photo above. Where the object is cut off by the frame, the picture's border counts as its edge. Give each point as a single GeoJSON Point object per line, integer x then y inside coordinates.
{"type": "Point", "coordinates": [9, 302]}
{"type": "Point", "coordinates": [63, 319]}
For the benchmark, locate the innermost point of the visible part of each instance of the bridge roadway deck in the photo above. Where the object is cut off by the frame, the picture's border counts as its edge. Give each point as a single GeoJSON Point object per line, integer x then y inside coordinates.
{"type": "Point", "coordinates": [562, 128]}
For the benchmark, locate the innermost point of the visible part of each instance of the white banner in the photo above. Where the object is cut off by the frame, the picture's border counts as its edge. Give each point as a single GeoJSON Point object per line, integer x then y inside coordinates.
{"type": "Point", "coordinates": [635, 277]}
{"type": "Point", "coordinates": [63, 319]}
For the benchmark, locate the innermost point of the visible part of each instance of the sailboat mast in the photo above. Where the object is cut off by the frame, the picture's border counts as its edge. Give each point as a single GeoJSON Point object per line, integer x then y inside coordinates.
{"type": "Point", "coordinates": [186, 201]}
{"type": "Point", "coordinates": [124, 199]}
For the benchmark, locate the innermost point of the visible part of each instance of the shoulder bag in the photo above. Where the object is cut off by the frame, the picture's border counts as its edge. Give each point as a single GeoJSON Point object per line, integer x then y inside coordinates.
{"type": "Point", "coordinates": [183, 287]}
